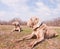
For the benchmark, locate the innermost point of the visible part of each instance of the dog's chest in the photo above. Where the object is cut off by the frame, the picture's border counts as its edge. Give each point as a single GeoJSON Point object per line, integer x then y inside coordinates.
{"type": "Point", "coordinates": [37, 32]}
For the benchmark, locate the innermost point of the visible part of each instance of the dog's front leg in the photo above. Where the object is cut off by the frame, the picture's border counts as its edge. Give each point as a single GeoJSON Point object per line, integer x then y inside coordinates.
{"type": "Point", "coordinates": [40, 37]}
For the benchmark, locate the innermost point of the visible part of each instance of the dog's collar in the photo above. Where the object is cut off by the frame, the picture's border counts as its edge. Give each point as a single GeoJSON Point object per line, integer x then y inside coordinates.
{"type": "Point", "coordinates": [41, 24]}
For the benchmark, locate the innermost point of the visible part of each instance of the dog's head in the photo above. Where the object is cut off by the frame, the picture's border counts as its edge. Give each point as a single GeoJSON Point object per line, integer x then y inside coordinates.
{"type": "Point", "coordinates": [15, 23]}
{"type": "Point", "coordinates": [32, 21]}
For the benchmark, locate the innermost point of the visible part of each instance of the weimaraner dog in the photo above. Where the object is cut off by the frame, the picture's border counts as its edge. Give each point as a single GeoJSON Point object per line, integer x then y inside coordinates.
{"type": "Point", "coordinates": [16, 26]}
{"type": "Point", "coordinates": [40, 30]}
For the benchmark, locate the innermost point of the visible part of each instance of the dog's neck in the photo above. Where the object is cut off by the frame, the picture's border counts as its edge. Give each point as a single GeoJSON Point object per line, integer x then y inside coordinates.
{"type": "Point", "coordinates": [35, 27]}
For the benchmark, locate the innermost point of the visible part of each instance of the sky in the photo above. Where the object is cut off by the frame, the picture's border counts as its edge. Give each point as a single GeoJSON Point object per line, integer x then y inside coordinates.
{"type": "Point", "coordinates": [24, 9]}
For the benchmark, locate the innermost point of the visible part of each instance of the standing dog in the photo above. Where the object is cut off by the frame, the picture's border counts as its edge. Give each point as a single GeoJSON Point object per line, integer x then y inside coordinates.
{"type": "Point", "coordinates": [40, 30]}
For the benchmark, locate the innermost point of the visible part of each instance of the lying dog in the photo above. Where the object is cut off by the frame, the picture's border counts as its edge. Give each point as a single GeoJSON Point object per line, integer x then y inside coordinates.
{"type": "Point", "coordinates": [40, 30]}
{"type": "Point", "coordinates": [16, 26]}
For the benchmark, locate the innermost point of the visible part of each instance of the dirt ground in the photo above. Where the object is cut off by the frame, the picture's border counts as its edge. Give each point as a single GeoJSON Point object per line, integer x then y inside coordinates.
{"type": "Point", "coordinates": [7, 39]}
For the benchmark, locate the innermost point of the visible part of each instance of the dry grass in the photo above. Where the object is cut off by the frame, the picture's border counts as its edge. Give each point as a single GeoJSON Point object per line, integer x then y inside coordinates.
{"type": "Point", "coordinates": [6, 36]}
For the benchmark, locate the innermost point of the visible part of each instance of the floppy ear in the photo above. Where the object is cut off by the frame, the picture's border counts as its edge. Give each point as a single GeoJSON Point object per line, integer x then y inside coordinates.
{"type": "Point", "coordinates": [36, 21]}
{"type": "Point", "coordinates": [36, 18]}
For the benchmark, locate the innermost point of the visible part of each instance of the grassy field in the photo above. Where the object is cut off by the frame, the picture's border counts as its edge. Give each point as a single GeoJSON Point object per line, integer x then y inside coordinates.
{"type": "Point", "coordinates": [6, 37]}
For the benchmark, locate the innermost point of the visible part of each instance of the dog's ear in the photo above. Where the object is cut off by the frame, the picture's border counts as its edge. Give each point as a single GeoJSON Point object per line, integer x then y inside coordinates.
{"type": "Point", "coordinates": [36, 18]}
{"type": "Point", "coordinates": [36, 21]}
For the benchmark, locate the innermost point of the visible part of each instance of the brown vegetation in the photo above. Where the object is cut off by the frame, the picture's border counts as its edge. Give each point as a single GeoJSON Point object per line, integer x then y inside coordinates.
{"type": "Point", "coordinates": [55, 22]}
{"type": "Point", "coordinates": [13, 20]}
